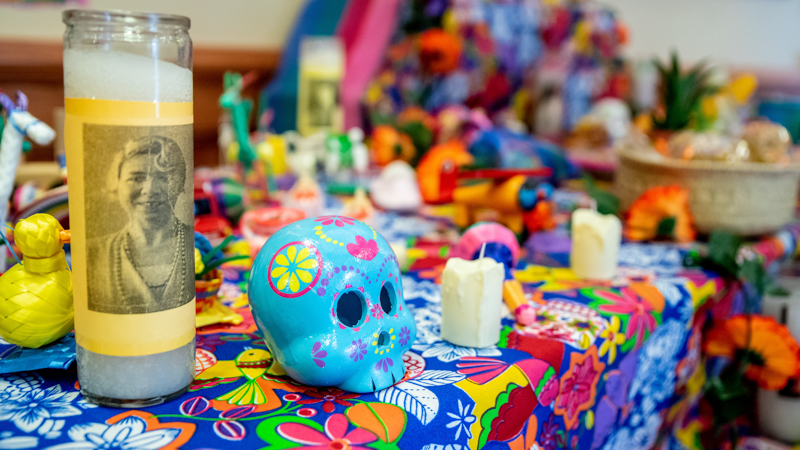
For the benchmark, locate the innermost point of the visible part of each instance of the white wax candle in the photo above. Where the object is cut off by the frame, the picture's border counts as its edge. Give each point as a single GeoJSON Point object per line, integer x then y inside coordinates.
{"type": "Point", "coordinates": [114, 75]}
{"type": "Point", "coordinates": [595, 244]}
{"type": "Point", "coordinates": [472, 299]}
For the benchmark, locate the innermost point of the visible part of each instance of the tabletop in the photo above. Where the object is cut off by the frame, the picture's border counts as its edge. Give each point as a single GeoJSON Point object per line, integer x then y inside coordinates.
{"type": "Point", "coordinates": [604, 365]}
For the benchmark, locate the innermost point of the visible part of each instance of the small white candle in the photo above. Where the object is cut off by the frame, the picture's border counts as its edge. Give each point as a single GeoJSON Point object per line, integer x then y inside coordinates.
{"type": "Point", "coordinates": [595, 244]}
{"type": "Point", "coordinates": [472, 298]}
{"type": "Point", "coordinates": [778, 412]}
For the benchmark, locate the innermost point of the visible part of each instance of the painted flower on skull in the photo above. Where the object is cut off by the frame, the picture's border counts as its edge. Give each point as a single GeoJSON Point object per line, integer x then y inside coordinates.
{"type": "Point", "coordinates": [294, 269]}
{"type": "Point", "coordinates": [339, 221]}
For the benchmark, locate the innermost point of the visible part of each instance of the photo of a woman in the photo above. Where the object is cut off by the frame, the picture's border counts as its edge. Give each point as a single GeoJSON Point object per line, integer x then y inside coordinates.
{"type": "Point", "coordinates": [144, 267]}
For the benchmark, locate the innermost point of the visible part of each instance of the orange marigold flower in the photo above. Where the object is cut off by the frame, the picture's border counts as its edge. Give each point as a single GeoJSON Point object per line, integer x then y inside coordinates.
{"type": "Point", "coordinates": [773, 353]}
{"type": "Point", "coordinates": [389, 144]}
{"type": "Point", "coordinates": [661, 211]}
{"type": "Point", "coordinates": [439, 51]}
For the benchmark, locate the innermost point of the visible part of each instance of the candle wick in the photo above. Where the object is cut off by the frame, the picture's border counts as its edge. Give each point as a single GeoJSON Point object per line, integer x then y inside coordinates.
{"type": "Point", "coordinates": [480, 258]}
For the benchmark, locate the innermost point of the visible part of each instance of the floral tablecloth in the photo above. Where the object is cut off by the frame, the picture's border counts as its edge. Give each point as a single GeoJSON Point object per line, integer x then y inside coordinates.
{"type": "Point", "coordinates": [603, 366]}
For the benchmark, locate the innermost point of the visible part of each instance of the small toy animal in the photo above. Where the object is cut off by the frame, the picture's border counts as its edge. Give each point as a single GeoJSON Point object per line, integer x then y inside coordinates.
{"type": "Point", "coordinates": [36, 296]}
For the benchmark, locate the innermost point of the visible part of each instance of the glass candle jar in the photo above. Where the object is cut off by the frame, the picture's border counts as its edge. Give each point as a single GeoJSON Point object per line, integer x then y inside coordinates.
{"type": "Point", "coordinates": [128, 137]}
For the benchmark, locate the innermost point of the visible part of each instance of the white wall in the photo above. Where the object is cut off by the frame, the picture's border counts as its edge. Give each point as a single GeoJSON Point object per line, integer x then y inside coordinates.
{"type": "Point", "coordinates": [240, 23]}
{"type": "Point", "coordinates": [750, 33]}
{"type": "Point", "coordinates": [745, 33]}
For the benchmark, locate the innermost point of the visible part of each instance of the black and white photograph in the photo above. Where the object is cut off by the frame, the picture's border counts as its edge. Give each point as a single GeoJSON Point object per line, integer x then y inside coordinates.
{"type": "Point", "coordinates": [323, 101]}
{"type": "Point", "coordinates": [140, 237]}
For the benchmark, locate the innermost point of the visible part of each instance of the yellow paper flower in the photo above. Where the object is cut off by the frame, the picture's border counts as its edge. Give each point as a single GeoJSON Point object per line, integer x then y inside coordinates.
{"type": "Point", "coordinates": [198, 262]}
{"type": "Point", "coordinates": [293, 268]}
{"type": "Point", "coordinates": [613, 338]}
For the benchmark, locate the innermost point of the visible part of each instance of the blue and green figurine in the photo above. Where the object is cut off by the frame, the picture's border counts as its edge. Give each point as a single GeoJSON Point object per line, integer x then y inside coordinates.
{"type": "Point", "coordinates": [327, 295]}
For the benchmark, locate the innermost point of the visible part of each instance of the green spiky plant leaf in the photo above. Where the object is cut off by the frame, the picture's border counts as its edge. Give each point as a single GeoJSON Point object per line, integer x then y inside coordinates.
{"type": "Point", "coordinates": [682, 93]}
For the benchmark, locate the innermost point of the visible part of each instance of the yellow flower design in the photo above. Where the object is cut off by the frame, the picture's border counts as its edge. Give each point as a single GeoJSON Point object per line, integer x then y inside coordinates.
{"type": "Point", "coordinates": [381, 350]}
{"type": "Point", "coordinates": [613, 338]}
{"type": "Point", "coordinates": [293, 268]}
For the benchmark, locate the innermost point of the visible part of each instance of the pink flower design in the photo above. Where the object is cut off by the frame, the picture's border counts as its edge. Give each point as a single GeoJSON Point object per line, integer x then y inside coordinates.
{"type": "Point", "coordinates": [639, 311]}
{"type": "Point", "coordinates": [376, 311]}
{"type": "Point", "coordinates": [339, 221]}
{"type": "Point", "coordinates": [363, 249]}
{"type": "Point", "coordinates": [335, 436]}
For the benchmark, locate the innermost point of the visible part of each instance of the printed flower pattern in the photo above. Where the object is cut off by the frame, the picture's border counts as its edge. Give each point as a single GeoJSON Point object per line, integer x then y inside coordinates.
{"type": "Point", "coordinates": [339, 221]}
{"type": "Point", "coordinates": [613, 338]}
{"type": "Point", "coordinates": [447, 352]}
{"type": "Point", "coordinates": [328, 397]}
{"type": "Point", "coordinates": [579, 386]}
{"type": "Point", "coordinates": [335, 436]}
{"type": "Point", "coordinates": [131, 432]}
{"type": "Point", "coordinates": [463, 420]}
{"type": "Point", "coordinates": [640, 312]}
{"type": "Point", "coordinates": [294, 269]}
{"type": "Point", "coordinates": [28, 410]}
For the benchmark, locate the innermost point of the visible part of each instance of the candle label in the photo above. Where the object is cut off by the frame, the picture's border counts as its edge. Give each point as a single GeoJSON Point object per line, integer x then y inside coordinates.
{"type": "Point", "coordinates": [131, 215]}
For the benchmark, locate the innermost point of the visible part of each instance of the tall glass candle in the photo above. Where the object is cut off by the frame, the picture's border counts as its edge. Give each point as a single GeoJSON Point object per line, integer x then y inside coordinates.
{"type": "Point", "coordinates": [128, 136]}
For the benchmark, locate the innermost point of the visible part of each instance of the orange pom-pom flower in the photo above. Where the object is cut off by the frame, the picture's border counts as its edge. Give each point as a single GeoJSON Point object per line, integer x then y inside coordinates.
{"type": "Point", "coordinates": [439, 51]}
{"type": "Point", "coordinates": [388, 144]}
{"type": "Point", "coordinates": [773, 355]}
{"type": "Point", "coordinates": [661, 212]}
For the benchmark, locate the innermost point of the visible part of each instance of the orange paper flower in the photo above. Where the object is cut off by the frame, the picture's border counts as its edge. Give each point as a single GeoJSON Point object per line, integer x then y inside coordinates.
{"type": "Point", "coordinates": [773, 354]}
{"type": "Point", "coordinates": [389, 144]}
{"type": "Point", "coordinates": [439, 51]}
{"type": "Point", "coordinates": [660, 211]}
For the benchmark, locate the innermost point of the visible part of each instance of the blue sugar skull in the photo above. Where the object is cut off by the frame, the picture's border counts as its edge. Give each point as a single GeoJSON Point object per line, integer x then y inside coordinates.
{"type": "Point", "coordinates": [327, 294]}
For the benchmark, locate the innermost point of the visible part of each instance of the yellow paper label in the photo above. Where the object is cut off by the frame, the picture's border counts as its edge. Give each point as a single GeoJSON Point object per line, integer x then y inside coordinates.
{"type": "Point", "coordinates": [131, 219]}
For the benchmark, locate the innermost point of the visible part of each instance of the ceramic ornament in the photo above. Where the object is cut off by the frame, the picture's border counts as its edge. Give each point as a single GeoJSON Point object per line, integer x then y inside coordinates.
{"type": "Point", "coordinates": [501, 245]}
{"type": "Point", "coordinates": [396, 188]}
{"type": "Point", "coordinates": [21, 124]}
{"type": "Point", "coordinates": [327, 295]}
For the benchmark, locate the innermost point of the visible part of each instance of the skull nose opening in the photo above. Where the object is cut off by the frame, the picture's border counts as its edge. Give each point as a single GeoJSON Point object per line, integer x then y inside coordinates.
{"type": "Point", "coordinates": [383, 339]}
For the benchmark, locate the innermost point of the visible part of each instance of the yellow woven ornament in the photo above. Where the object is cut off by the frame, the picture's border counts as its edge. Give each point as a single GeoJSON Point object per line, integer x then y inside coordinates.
{"type": "Point", "coordinates": [36, 297]}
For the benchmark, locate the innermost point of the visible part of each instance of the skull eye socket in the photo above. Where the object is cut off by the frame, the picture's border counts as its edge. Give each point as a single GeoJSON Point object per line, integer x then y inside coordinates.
{"type": "Point", "coordinates": [350, 309]}
{"type": "Point", "coordinates": [388, 299]}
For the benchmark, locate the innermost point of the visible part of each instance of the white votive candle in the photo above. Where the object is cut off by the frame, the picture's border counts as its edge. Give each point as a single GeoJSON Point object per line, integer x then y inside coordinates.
{"type": "Point", "coordinates": [595, 244]}
{"type": "Point", "coordinates": [472, 298]}
{"type": "Point", "coordinates": [778, 411]}
{"type": "Point", "coordinates": [128, 136]}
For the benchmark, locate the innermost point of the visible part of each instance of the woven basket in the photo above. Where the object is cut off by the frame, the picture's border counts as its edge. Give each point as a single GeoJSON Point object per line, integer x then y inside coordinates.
{"type": "Point", "coordinates": [743, 198]}
{"type": "Point", "coordinates": [206, 290]}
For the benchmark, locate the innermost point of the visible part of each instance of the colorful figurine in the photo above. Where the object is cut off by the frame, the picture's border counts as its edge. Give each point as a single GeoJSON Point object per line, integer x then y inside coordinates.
{"type": "Point", "coordinates": [346, 151]}
{"type": "Point", "coordinates": [327, 295]}
{"type": "Point", "coordinates": [359, 207]}
{"type": "Point", "coordinates": [36, 295]}
{"type": "Point", "coordinates": [207, 219]}
{"type": "Point", "coordinates": [396, 188]}
{"type": "Point", "coordinates": [21, 124]}
{"type": "Point", "coordinates": [512, 198]}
